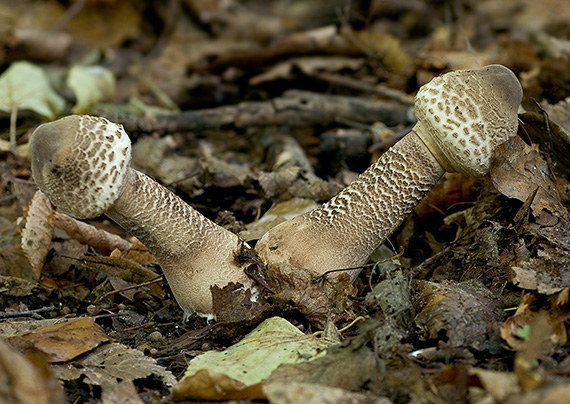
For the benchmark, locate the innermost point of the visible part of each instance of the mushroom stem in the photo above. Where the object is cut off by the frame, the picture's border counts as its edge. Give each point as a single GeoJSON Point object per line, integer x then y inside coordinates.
{"type": "Point", "coordinates": [346, 230]}
{"type": "Point", "coordinates": [462, 117]}
{"type": "Point", "coordinates": [193, 251]}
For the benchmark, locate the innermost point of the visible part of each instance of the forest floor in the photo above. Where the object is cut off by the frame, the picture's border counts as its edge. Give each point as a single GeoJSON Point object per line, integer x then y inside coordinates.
{"type": "Point", "coordinates": [249, 107]}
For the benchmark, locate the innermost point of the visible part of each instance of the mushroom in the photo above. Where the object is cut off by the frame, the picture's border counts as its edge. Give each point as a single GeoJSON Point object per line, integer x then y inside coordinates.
{"type": "Point", "coordinates": [462, 116]}
{"type": "Point", "coordinates": [82, 164]}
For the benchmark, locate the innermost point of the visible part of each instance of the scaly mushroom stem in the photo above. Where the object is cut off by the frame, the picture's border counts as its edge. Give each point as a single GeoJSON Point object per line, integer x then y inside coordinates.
{"type": "Point", "coordinates": [194, 252]}
{"type": "Point", "coordinates": [82, 164]}
{"type": "Point", "coordinates": [343, 232]}
{"type": "Point", "coordinates": [462, 117]}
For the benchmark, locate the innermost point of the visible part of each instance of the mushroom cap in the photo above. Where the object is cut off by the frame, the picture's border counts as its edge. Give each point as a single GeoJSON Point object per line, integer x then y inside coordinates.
{"type": "Point", "coordinates": [463, 115]}
{"type": "Point", "coordinates": [80, 162]}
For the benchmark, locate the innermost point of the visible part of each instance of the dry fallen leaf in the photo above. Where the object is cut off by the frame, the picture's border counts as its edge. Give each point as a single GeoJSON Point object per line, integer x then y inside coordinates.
{"type": "Point", "coordinates": [112, 362]}
{"type": "Point", "coordinates": [312, 393]}
{"type": "Point", "coordinates": [64, 341]}
{"type": "Point", "coordinates": [125, 393]}
{"type": "Point", "coordinates": [465, 314]}
{"type": "Point", "coordinates": [320, 298]}
{"type": "Point", "coordinates": [26, 380]}
{"type": "Point", "coordinates": [517, 329]}
{"type": "Point", "coordinates": [213, 386]}
{"type": "Point", "coordinates": [518, 172]}
{"type": "Point", "coordinates": [500, 385]}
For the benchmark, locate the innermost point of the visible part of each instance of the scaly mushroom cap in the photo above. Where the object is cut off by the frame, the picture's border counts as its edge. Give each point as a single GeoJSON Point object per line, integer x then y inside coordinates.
{"type": "Point", "coordinates": [80, 163]}
{"type": "Point", "coordinates": [463, 115]}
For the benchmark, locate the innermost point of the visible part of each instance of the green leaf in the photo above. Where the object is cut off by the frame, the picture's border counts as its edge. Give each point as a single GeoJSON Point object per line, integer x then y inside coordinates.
{"type": "Point", "coordinates": [524, 333]}
{"type": "Point", "coordinates": [26, 86]}
{"type": "Point", "coordinates": [91, 84]}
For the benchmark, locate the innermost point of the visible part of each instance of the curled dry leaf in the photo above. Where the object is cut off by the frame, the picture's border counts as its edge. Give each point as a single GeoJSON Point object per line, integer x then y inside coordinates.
{"type": "Point", "coordinates": [38, 232]}
{"type": "Point", "coordinates": [519, 172]}
{"type": "Point", "coordinates": [234, 303]}
{"type": "Point", "coordinates": [125, 269]}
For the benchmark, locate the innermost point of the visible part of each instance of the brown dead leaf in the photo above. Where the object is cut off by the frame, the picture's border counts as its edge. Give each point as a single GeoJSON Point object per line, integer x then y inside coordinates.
{"type": "Point", "coordinates": [112, 362]}
{"type": "Point", "coordinates": [546, 273]}
{"type": "Point", "coordinates": [65, 341]}
{"type": "Point", "coordinates": [518, 328]}
{"type": "Point", "coordinates": [348, 367]}
{"type": "Point", "coordinates": [518, 171]}
{"type": "Point", "coordinates": [558, 395]}
{"type": "Point", "coordinates": [12, 286]}
{"type": "Point", "coordinates": [466, 314]}
{"type": "Point", "coordinates": [38, 232]}
{"type": "Point", "coordinates": [124, 393]}
{"type": "Point", "coordinates": [25, 380]}
{"type": "Point", "coordinates": [309, 66]}
{"type": "Point", "coordinates": [233, 303]}
{"type": "Point", "coordinates": [312, 393]}
{"type": "Point", "coordinates": [384, 46]}
{"type": "Point", "coordinates": [138, 253]}
{"type": "Point", "coordinates": [552, 138]}
{"type": "Point", "coordinates": [559, 113]}
{"type": "Point", "coordinates": [319, 298]}
{"type": "Point", "coordinates": [500, 385]}
{"type": "Point", "coordinates": [208, 385]}
{"type": "Point", "coordinates": [106, 23]}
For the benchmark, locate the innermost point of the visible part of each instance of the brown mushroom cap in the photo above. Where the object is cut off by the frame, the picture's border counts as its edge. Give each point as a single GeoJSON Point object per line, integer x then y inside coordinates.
{"type": "Point", "coordinates": [80, 163]}
{"type": "Point", "coordinates": [464, 115]}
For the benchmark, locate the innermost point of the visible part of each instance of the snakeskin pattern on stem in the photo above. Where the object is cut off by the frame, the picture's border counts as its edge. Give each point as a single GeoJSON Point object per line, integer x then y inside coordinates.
{"type": "Point", "coordinates": [347, 229]}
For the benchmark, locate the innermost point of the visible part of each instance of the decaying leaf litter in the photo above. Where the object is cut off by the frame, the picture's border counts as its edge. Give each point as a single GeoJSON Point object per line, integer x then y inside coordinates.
{"type": "Point", "coordinates": [254, 112]}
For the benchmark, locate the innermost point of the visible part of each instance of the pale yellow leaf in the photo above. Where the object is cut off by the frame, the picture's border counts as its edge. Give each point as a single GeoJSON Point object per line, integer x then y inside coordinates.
{"type": "Point", "coordinates": [26, 86]}
{"type": "Point", "coordinates": [91, 84]}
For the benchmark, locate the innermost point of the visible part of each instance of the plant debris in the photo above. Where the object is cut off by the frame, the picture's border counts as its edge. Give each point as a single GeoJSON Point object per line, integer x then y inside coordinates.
{"type": "Point", "coordinates": [254, 112]}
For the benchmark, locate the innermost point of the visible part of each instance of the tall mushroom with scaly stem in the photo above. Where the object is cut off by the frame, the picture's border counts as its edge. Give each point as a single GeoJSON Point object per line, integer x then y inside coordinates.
{"type": "Point", "coordinates": [81, 163]}
{"type": "Point", "coordinates": [462, 116]}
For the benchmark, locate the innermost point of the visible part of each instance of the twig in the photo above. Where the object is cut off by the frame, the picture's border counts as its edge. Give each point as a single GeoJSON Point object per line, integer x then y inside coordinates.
{"type": "Point", "coordinates": [30, 313]}
{"type": "Point", "coordinates": [294, 109]}
{"type": "Point", "coordinates": [159, 278]}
